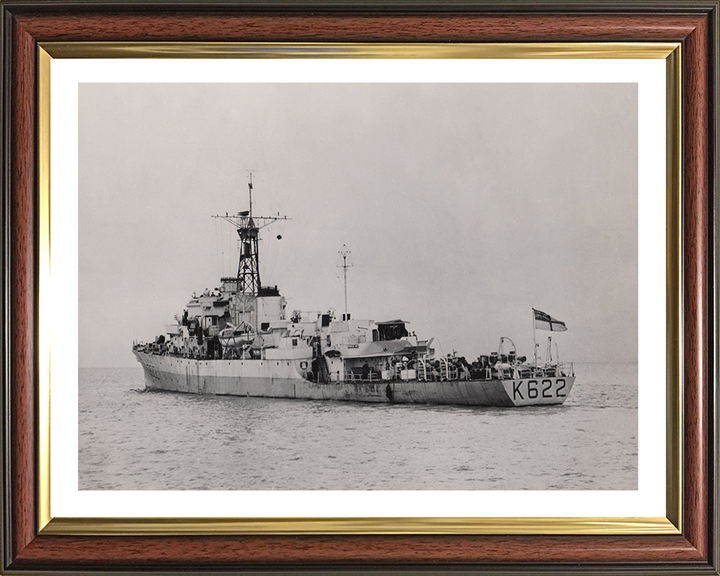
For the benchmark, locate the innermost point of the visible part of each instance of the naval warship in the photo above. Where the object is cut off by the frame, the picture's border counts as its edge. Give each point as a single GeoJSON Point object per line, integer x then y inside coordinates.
{"type": "Point", "coordinates": [239, 340]}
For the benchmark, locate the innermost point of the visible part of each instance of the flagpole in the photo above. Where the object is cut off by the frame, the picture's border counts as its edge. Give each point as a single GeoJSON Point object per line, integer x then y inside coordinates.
{"type": "Point", "coordinates": [534, 340]}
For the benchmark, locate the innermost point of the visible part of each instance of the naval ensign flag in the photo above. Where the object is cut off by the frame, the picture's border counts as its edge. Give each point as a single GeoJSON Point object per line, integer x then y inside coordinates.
{"type": "Point", "coordinates": [546, 322]}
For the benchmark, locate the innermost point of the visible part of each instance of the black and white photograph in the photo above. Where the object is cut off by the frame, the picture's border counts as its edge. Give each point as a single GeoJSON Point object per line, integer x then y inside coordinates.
{"type": "Point", "coordinates": [358, 286]}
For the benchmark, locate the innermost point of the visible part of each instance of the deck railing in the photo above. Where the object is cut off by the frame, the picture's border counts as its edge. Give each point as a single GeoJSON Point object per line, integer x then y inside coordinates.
{"type": "Point", "coordinates": [351, 376]}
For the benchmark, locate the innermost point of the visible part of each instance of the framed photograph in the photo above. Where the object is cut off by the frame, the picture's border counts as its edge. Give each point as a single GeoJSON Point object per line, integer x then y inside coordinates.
{"type": "Point", "coordinates": [359, 287]}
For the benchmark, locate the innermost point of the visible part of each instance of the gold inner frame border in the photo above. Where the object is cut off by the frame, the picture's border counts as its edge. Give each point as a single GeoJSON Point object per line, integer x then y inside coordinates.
{"type": "Point", "coordinates": [671, 524]}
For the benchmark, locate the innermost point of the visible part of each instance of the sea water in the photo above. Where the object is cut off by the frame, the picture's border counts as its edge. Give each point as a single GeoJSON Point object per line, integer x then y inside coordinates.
{"type": "Point", "coordinates": [130, 439]}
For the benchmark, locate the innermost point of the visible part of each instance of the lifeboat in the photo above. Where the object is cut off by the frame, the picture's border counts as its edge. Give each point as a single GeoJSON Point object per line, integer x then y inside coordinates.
{"type": "Point", "coordinates": [237, 336]}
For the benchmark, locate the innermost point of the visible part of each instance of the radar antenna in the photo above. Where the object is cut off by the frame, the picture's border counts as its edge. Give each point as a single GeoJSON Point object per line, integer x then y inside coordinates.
{"type": "Point", "coordinates": [248, 228]}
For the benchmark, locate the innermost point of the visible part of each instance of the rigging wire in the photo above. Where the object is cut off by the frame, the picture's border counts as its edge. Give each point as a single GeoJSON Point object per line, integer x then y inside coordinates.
{"type": "Point", "coordinates": [274, 256]}
{"type": "Point", "coordinates": [218, 240]}
{"type": "Point", "coordinates": [222, 251]}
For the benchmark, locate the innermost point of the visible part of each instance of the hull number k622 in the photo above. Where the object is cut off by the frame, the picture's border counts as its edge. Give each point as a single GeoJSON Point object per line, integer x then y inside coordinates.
{"type": "Point", "coordinates": [539, 388]}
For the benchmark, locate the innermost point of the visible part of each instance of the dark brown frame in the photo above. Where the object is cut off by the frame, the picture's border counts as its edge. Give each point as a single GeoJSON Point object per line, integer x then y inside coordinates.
{"type": "Point", "coordinates": [693, 23]}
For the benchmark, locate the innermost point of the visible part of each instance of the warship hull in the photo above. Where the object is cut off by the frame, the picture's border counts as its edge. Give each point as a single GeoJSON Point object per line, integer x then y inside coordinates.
{"type": "Point", "coordinates": [282, 379]}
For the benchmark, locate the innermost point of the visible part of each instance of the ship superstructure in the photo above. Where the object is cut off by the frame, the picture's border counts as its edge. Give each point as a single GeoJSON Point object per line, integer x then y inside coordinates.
{"type": "Point", "coordinates": [238, 339]}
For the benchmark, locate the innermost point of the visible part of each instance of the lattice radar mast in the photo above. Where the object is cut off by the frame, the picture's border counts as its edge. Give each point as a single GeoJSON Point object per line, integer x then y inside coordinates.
{"type": "Point", "coordinates": [248, 228]}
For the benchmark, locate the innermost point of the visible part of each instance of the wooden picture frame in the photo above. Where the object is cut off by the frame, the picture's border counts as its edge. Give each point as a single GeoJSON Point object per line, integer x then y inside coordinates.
{"type": "Point", "coordinates": [31, 543]}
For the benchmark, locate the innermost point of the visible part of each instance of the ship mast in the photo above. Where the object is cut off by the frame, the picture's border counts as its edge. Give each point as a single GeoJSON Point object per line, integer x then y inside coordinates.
{"type": "Point", "coordinates": [345, 265]}
{"type": "Point", "coordinates": [248, 228]}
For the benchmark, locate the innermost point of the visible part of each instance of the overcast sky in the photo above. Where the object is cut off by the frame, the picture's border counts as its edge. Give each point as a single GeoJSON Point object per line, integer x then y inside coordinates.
{"type": "Point", "coordinates": [464, 206]}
